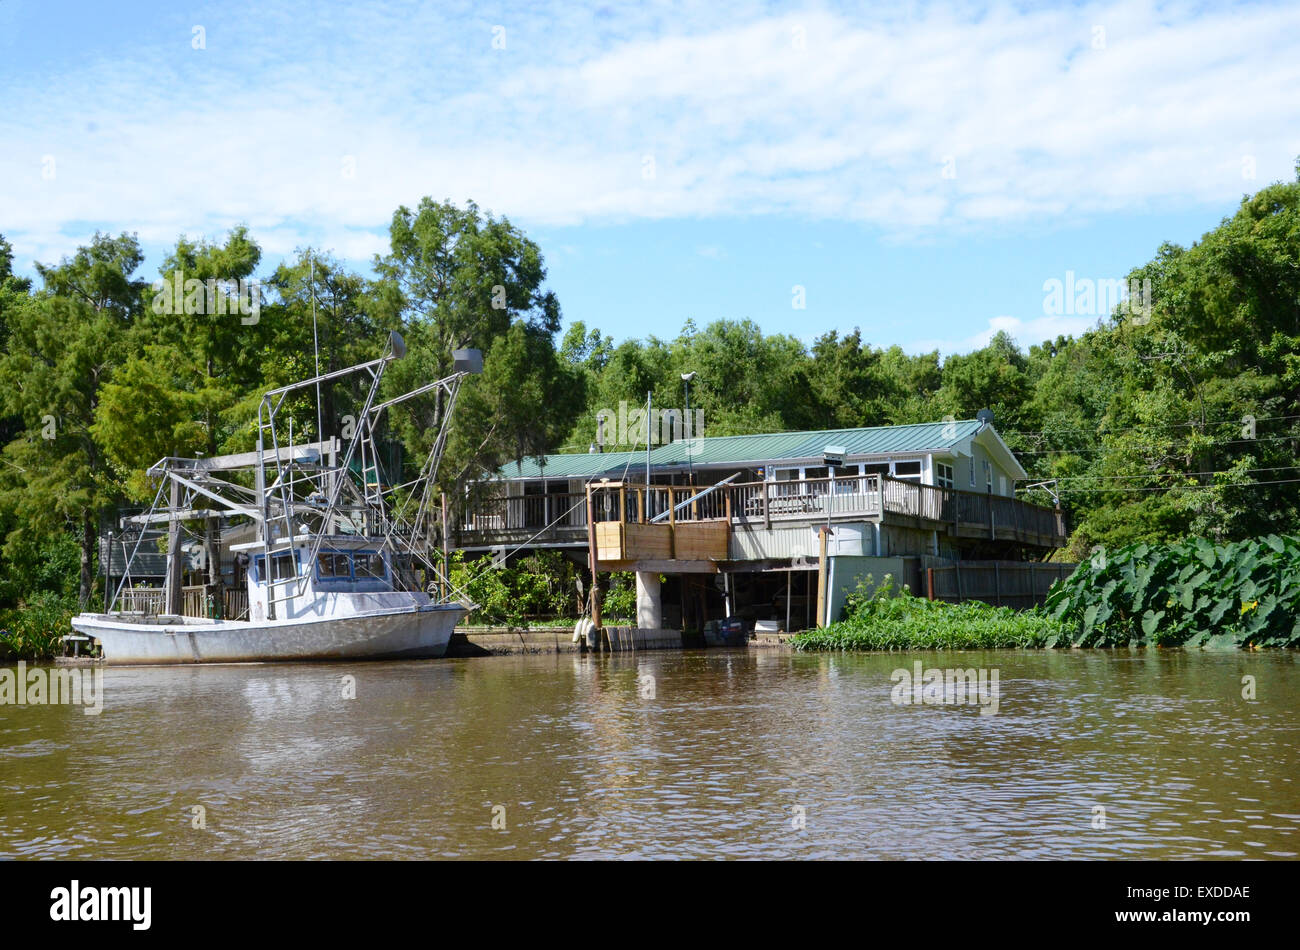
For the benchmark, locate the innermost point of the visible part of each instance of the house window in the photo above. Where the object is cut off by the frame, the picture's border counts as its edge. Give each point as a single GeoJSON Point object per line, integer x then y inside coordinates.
{"type": "Point", "coordinates": [988, 474]}
{"type": "Point", "coordinates": [943, 474]}
{"type": "Point", "coordinates": [911, 471]}
{"type": "Point", "coordinates": [809, 474]}
{"type": "Point", "coordinates": [787, 476]}
{"type": "Point", "coordinates": [972, 473]}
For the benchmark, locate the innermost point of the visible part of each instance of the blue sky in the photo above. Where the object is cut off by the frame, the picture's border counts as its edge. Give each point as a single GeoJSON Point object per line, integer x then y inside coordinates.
{"type": "Point", "coordinates": [919, 170]}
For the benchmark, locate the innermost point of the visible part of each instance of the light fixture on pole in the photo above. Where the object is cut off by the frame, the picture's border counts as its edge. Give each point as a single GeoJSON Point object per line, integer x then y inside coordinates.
{"type": "Point", "coordinates": [686, 384]}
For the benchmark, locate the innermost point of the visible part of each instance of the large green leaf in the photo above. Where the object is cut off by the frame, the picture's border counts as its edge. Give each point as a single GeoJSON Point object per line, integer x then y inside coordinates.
{"type": "Point", "coordinates": [1151, 622]}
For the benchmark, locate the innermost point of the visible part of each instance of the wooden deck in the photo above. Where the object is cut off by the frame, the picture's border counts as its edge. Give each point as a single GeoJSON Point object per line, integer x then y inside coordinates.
{"type": "Point", "coordinates": [561, 519]}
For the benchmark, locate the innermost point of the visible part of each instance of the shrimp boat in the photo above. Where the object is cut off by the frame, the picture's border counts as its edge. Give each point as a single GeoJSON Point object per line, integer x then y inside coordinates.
{"type": "Point", "coordinates": [335, 558]}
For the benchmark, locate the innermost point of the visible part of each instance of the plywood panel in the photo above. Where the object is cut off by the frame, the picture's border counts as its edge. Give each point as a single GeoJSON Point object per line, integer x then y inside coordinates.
{"type": "Point", "coordinates": [702, 541]}
{"type": "Point", "coordinates": [642, 541]}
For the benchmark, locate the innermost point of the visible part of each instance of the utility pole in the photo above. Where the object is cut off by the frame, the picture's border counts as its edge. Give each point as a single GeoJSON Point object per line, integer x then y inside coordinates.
{"type": "Point", "coordinates": [821, 577]}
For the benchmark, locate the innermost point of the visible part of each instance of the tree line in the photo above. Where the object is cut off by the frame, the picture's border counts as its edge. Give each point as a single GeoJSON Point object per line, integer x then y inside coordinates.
{"type": "Point", "coordinates": [1179, 421]}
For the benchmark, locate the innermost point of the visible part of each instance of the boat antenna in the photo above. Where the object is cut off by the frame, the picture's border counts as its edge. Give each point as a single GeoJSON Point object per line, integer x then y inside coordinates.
{"type": "Point", "coordinates": [315, 344]}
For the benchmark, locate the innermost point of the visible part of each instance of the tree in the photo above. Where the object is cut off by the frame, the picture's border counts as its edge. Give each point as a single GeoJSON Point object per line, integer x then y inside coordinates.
{"type": "Point", "coordinates": [454, 279]}
{"type": "Point", "coordinates": [194, 372]}
{"type": "Point", "coordinates": [63, 347]}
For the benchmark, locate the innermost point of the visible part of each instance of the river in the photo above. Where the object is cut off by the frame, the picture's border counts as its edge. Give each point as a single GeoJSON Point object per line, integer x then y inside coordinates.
{"type": "Point", "coordinates": [703, 754]}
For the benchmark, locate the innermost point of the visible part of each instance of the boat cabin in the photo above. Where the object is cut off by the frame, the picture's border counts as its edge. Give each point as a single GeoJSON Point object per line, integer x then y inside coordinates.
{"type": "Point", "coordinates": [349, 574]}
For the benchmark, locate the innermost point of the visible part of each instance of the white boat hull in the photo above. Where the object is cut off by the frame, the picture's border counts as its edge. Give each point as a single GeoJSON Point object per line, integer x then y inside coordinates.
{"type": "Point", "coordinates": [413, 632]}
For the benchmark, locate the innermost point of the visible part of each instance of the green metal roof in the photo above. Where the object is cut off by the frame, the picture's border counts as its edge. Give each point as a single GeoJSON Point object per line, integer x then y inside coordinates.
{"type": "Point", "coordinates": [575, 465]}
{"type": "Point", "coordinates": [880, 440]}
{"type": "Point", "coordinates": [757, 449]}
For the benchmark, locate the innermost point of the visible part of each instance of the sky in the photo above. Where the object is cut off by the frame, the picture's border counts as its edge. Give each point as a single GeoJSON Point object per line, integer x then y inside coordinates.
{"type": "Point", "coordinates": [920, 171]}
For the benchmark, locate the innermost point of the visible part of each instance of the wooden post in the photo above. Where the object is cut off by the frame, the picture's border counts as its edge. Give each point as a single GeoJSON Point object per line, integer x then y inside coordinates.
{"type": "Point", "coordinates": [997, 584]}
{"type": "Point", "coordinates": [956, 568]}
{"type": "Point", "coordinates": [672, 507]}
{"type": "Point", "coordinates": [175, 562]}
{"type": "Point", "coordinates": [767, 514]}
{"type": "Point", "coordinates": [787, 600]}
{"type": "Point", "coordinates": [988, 496]}
{"type": "Point", "coordinates": [641, 494]}
{"type": "Point", "coordinates": [929, 582]}
{"type": "Point", "coordinates": [727, 504]}
{"type": "Point", "coordinates": [593, 561]}
{"type": "Point", "coordinates": [622, 503]}
{"type": "Point", "coordinates": [821, 580]}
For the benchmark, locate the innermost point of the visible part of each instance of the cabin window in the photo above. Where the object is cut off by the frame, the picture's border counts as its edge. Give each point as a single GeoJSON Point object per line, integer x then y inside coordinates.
{"type": "Point", "coordinates": [988, 474]}
{"type": "Point", "coordinates": [972, 473]}
{"type": "Point", "coordinates": [283, 566]}
{"type": "Point", "coordinates": [333, 564]}
{"type": "Point", "coordinates": [369, 565]}
{"type": "Point", "coordinates": [943, 474]}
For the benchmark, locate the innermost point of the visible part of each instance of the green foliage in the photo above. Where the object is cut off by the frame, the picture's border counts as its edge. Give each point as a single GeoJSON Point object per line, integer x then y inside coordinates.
{"type": "Point", "coordinates": [619, 599]}
{"type": "Point", "coordinates": [541, 586]}
{"type": "Point", "coordinates": [33, 630]}
{"type": "Point", "coordinates": [885, 619]}
{"type": "Point", "coordinates": [1191, 593]}
{"type": "Point", "coordinates": [44, 564]}
{"type": "Point", "coordinates": [63, 346]}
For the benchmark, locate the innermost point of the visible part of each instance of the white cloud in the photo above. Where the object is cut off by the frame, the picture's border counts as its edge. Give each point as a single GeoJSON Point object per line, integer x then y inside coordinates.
{"type": "Point", "coordinates": [1026, 333]}
{"type": "Point", "coordinates": [857, 125]}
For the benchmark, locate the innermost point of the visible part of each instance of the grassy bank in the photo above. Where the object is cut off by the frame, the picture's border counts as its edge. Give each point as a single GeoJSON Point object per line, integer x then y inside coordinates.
{"type": "Point", "coordinates": [32, 630]}
{"type": "Point", "coordinates": [888, 619]}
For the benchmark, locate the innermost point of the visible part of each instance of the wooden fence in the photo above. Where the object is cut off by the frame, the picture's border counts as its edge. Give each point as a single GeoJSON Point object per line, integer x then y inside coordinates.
{"type": "Point", "coordinates": [1001, 583]}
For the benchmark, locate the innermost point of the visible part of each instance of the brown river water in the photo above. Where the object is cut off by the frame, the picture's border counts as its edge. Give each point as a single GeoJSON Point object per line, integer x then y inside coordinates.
{"type": "Point", "coordinates": [705, 754]}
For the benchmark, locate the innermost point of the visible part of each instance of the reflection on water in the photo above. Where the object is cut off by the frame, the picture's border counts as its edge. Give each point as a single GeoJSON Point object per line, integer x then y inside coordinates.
{"type": "Point", "coordinates": [582, 764]}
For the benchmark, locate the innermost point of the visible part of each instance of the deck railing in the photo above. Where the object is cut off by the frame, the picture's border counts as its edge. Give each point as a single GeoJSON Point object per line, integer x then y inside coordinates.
{"type": "Point", "coordinates": [563, 515]}
{"type": "Point", "coordinates": [151, 601]}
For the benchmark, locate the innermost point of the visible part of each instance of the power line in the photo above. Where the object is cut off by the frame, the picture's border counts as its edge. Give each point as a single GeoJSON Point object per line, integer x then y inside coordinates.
{"type": "Point", "coordinates": [1116, 449]}
{"type": "Point", "coordinates": [1242, 471]}
{"type": "Point", "coordinates": [1169, 425]}
{"type": "Point", "coordinates": [1174, 488]}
